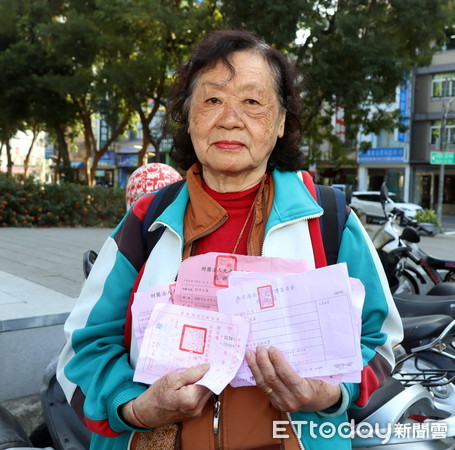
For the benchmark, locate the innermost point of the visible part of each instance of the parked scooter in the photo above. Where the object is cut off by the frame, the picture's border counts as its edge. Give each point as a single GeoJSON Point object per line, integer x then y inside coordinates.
{"type": "Point", "coordinates": [428, 359]}
{"type": "Point", "coordinates": [407, 266]}
{"type": "Point", "coordinates": [419, 399]}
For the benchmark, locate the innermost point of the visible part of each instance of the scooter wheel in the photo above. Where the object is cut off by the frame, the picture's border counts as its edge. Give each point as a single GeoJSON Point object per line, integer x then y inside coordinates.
{"type": "Point", "coordinates": [407, 283]}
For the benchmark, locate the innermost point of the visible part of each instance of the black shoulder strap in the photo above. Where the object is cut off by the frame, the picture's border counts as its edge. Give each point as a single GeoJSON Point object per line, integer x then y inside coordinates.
{"type": "Point", "coordinates": [162, 200]}
{"type": "Point", "coordinates": [333, 202]}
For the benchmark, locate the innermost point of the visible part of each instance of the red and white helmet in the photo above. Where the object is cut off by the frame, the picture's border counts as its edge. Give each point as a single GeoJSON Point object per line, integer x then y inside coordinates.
{"type": "Point", "coordinates": [149, 178]}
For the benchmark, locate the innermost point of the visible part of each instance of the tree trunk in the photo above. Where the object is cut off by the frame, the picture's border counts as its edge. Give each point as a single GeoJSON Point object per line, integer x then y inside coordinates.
{"type": "Point", "coordinates": [2, 144]}
{"type": "Point", "coordinates": [9, 158]}
{"type": "Point", "coordinates": [97, 154]}
{"type": "Point", "coordinates": [89, 145]}
{"type": "Point", "coordinates": [63, 164]}
{"type": "Point", "coordinates": [147, 137]}
{"type": "Point", "coordinates": [9, 166]}
{"type": "Point", "coordinates": [35, 132]}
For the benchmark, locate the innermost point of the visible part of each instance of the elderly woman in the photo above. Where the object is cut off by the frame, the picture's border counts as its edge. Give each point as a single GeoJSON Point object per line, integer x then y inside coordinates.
{"type": "Point", "coordinates": [234, 113]}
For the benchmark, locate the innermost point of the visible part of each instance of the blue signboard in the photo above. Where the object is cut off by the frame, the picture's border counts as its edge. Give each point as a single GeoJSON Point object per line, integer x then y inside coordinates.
{"type": "Point", "coordinates": [404, 110]}
{"type": "Point", "coordinates": [127, 160]}
{"type": "Point", "coordinates": [108, 157]}
{"type": "Point", "coordinates": [387, 155]}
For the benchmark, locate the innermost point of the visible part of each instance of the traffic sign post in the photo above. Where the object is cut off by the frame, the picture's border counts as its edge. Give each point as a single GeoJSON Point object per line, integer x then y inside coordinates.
{"type": "Point", "coordinates": [442, 158]}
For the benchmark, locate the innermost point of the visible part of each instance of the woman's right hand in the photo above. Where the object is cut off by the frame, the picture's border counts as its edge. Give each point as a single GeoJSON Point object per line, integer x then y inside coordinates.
{"type": "Point", "coordinates": [171, 399]}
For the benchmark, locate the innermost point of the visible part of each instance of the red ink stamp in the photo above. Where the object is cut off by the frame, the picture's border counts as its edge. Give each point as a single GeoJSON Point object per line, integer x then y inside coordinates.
{"type": "Point", "coordinates": [265, 296]}
{"type": "Point", "coordinates": [193, 339]}
{"type": "Point", "coordinates": [224, 265]}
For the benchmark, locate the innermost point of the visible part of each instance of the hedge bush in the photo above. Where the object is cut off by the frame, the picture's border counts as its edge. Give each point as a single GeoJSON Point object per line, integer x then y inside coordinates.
{"type": "Point", "coordinates": [30, 204]}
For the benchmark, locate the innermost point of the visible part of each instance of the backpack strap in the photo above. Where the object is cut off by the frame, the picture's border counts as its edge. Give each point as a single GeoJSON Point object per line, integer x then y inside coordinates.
{"type": "Point", "coordinates": [314, 225]}
{"type": "Point", "coordinates": [333, 202]}
{"type": "Point", "coordinates": [163, 198]}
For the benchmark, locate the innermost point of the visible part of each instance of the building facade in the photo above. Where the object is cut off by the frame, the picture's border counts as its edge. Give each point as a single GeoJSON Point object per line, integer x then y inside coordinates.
{"type": "Point", "coordinates": [434, 103]}
{"type": "Point", "coordinates": [404, 160]}
{"type": "Point", "coordinates": [388, 159]}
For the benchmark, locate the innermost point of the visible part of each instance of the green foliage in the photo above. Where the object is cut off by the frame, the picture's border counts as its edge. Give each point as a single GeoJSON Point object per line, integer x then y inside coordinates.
{"type": "Point", "coordinates": [31, 204]}
{"type": "Point", "coordinates": [63, 63]}
{"type": "Point", "coordinates": [427, 216]}
{"type": "Point", "coordinates": [352, 53]}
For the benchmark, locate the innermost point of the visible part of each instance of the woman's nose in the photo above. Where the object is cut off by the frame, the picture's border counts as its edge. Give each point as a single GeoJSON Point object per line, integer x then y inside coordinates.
{"type": "Point", "coordinates": [230, 117]}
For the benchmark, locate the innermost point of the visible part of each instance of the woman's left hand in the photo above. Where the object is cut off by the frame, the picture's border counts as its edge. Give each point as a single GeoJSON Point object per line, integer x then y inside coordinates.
{"type": "Point", "coordinates": [288, 391]}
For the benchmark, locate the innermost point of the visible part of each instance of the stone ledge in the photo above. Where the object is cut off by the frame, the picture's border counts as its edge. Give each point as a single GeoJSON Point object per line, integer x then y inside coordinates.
{"type": "Point", "coordinates": [23, 299]}
{"type": "Point", "coordinates": [31, 333]}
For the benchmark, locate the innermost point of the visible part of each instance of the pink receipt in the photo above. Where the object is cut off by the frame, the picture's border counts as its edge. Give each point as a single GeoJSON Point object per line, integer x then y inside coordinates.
{"type": "Point", "coordinates": [178, 337]}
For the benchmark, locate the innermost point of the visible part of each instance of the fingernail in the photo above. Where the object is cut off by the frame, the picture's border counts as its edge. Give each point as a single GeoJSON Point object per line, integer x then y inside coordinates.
{"type": "Point", "coordinates": [248, 354]}
{"type": "Point", "coordinates": [204, 367]}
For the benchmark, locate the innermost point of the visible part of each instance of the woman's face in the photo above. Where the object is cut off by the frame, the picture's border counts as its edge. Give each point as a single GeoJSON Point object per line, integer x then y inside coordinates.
{"type": "Point", "coordinates": [234, 122]}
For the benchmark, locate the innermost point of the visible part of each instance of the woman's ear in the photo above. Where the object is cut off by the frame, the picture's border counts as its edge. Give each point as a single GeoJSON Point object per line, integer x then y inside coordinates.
{"type": "Point", "coordinates": [282, 121]}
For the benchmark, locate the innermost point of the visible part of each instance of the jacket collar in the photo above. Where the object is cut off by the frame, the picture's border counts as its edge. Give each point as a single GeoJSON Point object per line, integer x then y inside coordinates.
{"type": "Point", "coordinates": [292, 201]}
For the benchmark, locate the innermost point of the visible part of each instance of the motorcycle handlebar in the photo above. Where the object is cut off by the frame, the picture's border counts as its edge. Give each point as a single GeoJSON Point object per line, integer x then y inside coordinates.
{"type": "Point", "coordinates": [397, 212]}
{"type": "Point", "coordinates": [405, 219]}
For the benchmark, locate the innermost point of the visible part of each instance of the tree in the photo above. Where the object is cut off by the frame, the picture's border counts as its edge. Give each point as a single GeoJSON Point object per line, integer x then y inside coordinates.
{"type": "Point", "coordinates": [67, 63]}
{"type": "Point", "coordinates": [28, 101]}
{"type": "Point", "coordinates": [13, 78]}
{"type": "Point", "coordinates": [114, 61]}
{"type": "Point", "coordinates": [150, 38]}
{"type": "Point", "coordinates": [73, 40]}
{"type": "Point", "coordinates": [352, 53]}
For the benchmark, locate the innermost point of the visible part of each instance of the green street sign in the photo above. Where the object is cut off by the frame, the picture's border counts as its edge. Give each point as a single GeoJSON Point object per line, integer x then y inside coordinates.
{"type": "Point", "coordinates": [442, 158]}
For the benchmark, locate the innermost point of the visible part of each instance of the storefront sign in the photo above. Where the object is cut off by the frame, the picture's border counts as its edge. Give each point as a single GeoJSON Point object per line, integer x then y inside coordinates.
{"type": "Point", "coordinates": [442, 158]}
{"type": "Point", "coordinates": [382, 155]}
{"type": "Point", "coordinates": [405, 111]}
{"type": "Point", "coordinates": [127, 160]}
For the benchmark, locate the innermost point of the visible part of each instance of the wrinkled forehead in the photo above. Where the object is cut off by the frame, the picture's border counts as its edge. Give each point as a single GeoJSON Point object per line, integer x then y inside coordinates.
{"type": "Point", "coordinates": [222, 72]}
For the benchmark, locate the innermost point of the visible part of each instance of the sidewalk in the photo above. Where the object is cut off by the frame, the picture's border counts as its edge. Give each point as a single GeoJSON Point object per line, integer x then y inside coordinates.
{"type": "Point", "coordinates": [40, 278]}
{"type": "Point", "coordinates": [49, 257]}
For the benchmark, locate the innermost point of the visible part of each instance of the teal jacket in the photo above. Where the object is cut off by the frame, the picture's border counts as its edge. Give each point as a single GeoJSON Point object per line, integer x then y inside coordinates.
{"type": "Point", "coordinates": [97, 364]}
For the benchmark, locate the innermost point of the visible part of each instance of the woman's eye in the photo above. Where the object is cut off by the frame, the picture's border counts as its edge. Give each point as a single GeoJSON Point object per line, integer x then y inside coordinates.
{"type": "Point", "coordinates": [251, 101]}
{"type": "Point", "coordinates": [212, 100]}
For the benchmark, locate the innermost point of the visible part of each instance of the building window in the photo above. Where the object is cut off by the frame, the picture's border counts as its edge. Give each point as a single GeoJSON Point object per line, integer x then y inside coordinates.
{"type": "Point", "coordinates": [435, 132]}
{"type": "Point", "coordinates": [443, 85]}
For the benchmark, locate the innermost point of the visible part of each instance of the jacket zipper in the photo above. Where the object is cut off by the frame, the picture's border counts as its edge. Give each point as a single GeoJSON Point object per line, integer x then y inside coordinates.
{"type": "Point", "coordinates": [216, 420]}
{"type": "Point", "coordinates": [285, 224]}
{"type": "Point", "coordinates": [216, 398]}
{"type": "Point", "coordinates": [299, 442]}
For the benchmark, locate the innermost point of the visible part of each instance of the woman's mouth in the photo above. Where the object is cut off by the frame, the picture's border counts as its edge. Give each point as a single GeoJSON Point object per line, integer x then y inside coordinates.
{"type": "Point", "coordinates": [229, 145]}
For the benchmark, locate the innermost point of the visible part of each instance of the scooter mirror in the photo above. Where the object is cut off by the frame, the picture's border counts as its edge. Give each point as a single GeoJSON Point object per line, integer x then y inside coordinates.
{"type": "Point", "coordinates": [410, 234]}
{"type": "Point", "coordinates": [348, 194]}
{"type": "Point", "coordinates": [383, 194]}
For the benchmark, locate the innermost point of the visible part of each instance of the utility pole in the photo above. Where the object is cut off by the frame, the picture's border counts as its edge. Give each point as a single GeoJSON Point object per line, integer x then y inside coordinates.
{"type": "Point", "coordinates": [443, 148]}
